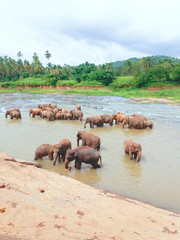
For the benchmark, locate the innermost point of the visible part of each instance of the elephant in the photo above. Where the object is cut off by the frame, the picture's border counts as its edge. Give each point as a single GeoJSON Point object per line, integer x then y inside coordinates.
{"type": "Point", "coordinates": [76, 114]}
{"type": "Point", "coordinates": [59, 115]}
{"type": "Point", "coordinates": [119, 117]}
{"type": "Point", "coordinates": [50, 116]}
{"type": "Point", "coordinates": [66, 116]}
{"type": "Point", "coordinates": [108, 118]}
{"type": "Point", "coordinates": [89, 139]}
{"type": "Point", "coordinates": [139, 116]}
{"type": "Point", "coordinates": [83, 154]}
{"type": "Point", "coordinates": [134, 122]}
{"type": "Point", "coordinates": [10, 110]}
{"type": "Point", "coordinates": [52, 105]}
{"type": "Point", "coordinates": [95, 120]}
{"type": "Point", "coordinates": [78, 107]}
{"type": "Point", "coordinates": [43, 106]}
{"type": "Point", "coordinates": [148, 124]}
{"type": "Point", "coordinates": [63, 110]}
{"type": "Point", "coordinates": [35, 112]}
{"type": "Point", "coordinates": [63, 146]}
{"type": "Point", "coordinates": [55, 110]}
{"type": "Point", "coordinates": [133, 149]}
{"type": "Point", "coordinates": [46, 150]}
{"type": "Point", "coordinates": [13, 114]}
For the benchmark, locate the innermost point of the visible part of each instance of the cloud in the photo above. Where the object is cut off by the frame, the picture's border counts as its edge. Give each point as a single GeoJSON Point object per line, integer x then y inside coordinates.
{"type": "Point", "coordinates": [79, 31]}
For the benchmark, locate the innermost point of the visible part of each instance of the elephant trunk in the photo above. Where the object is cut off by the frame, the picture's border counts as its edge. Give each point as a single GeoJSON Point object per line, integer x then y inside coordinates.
{"type": "Point", "coordinates": [66, 163]}
{"type": "Point", "coordinates": [139, 156]}
{"type": "Point", "coordinates": [85, 124]}
{"type": "Point", "coordinates": [78, 142]}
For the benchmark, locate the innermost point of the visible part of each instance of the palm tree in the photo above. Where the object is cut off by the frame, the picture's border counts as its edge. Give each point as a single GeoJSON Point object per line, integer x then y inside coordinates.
{"type": "Point", "coordinates": [35, 57]}
{"type": "Point", "coordinates": [146, 62]}
{"type": "Point", "coordinates": [48, 56]}
{"type": "Point", "coordinates": [19, 54]}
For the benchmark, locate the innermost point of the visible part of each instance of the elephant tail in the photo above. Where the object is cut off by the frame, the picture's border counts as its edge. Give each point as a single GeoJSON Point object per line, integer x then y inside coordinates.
{"type": "Point", "coordinates": [100, 158]}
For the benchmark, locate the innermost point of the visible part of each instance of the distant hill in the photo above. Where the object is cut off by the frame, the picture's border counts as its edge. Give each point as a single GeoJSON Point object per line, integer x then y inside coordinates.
{"type": "Point", "coordinates": [155, 60]}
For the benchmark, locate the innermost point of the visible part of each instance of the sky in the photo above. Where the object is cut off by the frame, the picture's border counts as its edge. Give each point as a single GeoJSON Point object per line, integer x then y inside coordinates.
{"type": "Point", "coordinates": [97, 31]}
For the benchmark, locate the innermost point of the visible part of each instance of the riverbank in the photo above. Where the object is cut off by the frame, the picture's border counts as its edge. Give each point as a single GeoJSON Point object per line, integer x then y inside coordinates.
{"type": "Point", "coordinates": [166, 95]}
{"type": "Point", "coordinates": [39, 204]}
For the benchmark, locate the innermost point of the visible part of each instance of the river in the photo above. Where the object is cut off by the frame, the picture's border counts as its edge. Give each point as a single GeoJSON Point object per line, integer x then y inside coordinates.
{"type": "Point", "coordinates": [155, 179]}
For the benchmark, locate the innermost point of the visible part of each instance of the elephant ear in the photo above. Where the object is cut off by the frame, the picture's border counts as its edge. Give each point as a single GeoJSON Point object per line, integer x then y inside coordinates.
{"type": "Point", "coordinates": [131, 148]}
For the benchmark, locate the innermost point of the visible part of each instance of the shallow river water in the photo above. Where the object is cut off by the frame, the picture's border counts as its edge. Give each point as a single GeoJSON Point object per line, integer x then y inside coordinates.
{"type": "Point", "coordinates": [155, 179]}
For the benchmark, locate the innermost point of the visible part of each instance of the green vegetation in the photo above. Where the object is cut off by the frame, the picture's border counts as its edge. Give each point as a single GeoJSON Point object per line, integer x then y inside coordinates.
{"type": "Point", "coordinates": [129, 78]}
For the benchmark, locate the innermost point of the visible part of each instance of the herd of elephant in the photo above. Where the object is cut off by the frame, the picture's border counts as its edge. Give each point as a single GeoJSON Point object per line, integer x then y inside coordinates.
{"type": "Point", "coordinates": [88, 152]}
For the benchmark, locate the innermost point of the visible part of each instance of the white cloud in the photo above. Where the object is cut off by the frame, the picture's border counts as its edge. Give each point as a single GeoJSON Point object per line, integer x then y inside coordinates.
{"type": "Point", "coordinates": [75, 31]}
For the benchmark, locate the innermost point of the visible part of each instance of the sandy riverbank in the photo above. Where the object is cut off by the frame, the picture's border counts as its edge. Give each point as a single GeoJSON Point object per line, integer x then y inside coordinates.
{"type": "Point", "coordinates": [39, 204]}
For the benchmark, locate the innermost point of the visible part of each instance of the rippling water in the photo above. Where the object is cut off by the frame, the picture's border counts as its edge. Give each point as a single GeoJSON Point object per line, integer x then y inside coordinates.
{"type": "Point", "coordinates": [155, 179]}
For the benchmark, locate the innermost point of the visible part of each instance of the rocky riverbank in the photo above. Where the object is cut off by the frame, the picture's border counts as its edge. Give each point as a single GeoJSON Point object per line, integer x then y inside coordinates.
{"type": "Point", "coordinates": [39, 204]}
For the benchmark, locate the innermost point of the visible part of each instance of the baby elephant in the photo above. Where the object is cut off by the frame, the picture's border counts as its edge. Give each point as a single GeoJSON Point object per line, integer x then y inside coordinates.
{"type": "Point", "coordinates": [88, 139]}
{"type": "Point", "coordinates": [133, 149]}
{"type": "Point", "coordinates": [83, 154]}
{"type": "Point", "coordinates": [46, 150]}
{"type": "Point", "coordinates": [14, 113]}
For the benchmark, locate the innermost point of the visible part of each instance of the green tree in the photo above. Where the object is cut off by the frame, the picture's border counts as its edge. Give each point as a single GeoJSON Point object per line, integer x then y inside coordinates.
{"type": "Point", "coordinates": [127, 68]}
{"type": "Point", "coordinates": [154, 75]}
{"type": "Point", "coordinates": [48, 56]}
{"type": "Point", "coordinates": [20, 55]}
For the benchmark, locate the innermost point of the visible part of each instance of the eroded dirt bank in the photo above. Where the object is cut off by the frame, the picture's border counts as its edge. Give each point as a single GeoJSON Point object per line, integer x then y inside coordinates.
{"type": "Point", "coordinates": [38, 204]}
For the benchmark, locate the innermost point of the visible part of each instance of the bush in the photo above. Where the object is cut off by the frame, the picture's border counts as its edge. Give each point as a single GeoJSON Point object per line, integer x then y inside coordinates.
{"type": "Point", "coordinates": [175, 74]}
{"type": "Point", "coordinates": [25, 75]}
{"type": "Point", "coordinates": [66, 83]}
{"type": "Point", "coordinates": [154, 75]}
{"type": "Point", "coordinates": [122, 82]}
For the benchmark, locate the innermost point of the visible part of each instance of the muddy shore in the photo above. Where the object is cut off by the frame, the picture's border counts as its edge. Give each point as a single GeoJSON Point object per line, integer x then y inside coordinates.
{"type": "Point", "coordinates": [39, 204]}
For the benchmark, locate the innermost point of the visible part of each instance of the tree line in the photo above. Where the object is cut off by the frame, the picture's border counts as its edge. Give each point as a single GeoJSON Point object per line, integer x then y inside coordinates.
{"type": "Point", "coordinates": [144, 72]}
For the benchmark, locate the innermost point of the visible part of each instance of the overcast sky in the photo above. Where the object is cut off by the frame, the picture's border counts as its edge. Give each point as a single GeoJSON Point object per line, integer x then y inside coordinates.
{"type": "Point", "coordinates": [97, 31]}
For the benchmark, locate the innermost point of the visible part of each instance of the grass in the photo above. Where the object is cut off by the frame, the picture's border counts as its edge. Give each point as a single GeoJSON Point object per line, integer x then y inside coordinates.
{"type": "Point", "coordinates": [173, 94]}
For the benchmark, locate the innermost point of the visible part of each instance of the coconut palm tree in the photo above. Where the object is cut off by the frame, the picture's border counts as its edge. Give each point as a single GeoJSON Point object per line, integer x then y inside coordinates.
{"type": "Point", "coordinates": [19, 54]}
{"type": "Point", "coordinates": [48, 56]}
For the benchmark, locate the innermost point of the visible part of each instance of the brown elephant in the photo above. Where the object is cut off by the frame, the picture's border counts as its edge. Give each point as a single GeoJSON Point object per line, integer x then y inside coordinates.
{"type": "Point", "coordinates": [133, 149]}
{"type": "Point", "coordinates": [148, 124]}
{"type": "Point", "coordinates": [50, 116]}
{"type": "Point", "coordinates": [95, 120]}
{"type": "Point", "coordinates": [63, 110]}
{"type": "Point", "coordinates": [43, 106]}
{"type": "Point", "coordinates": [66, 116]}
{"type": "Point", "coordinates": [52, 105]}
{"type": "Point", "coordinates": [119, 117]}
{"type": "Point", "coordinates": [134, 122]}
{"type": "Point", "coordinates": [139, 116]}
{"type": "Point", "coordinates": [89, 139]}
{"type": "Point", "coordinates": [63, 146]}
{"type": "Point", "coordinates": [81, 155]}
{"type": "Point", "coordinates": [35, 112]}
{"type": "Point", "coordinates": [55, 110]}
{"type": "Point", "coordinates": [46, 150]}
{"type": "Point", "coordinates": [10, 110]}
{"type": "Point", "coordinates": [59, 116]}
{"type": "Point", "coordinates": [78, 107]}
{"type": "Point", "coordinates": [108, 118]}
{"type": "Point", "coordinates": [76, 114]}
{"type": "Point", "coordinates": [13, 114]}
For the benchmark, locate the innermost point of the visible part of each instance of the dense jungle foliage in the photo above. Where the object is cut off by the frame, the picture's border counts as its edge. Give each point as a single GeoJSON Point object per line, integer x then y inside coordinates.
{"type": "Point", "coordinates": [144, 72]}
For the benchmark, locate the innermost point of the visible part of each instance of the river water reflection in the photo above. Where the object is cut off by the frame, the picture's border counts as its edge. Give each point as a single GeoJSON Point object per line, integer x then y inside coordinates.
{"type": "Point", "coordinates": [155, 179]}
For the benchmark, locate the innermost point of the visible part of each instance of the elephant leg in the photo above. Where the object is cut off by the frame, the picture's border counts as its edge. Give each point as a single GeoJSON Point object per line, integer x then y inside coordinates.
{"type": "Point", "coordinates": [63, 157]}
{"type": "Point", "coordinates": [91, 124]}
{"type": "Point", "coordinates": [135, 155]}
{"type": "Point", "coordinates": [130, 155]}
{"type": "Point", "coordinates": [98, 147]}
{"type": "Point", "coordinates": [78, 164]}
